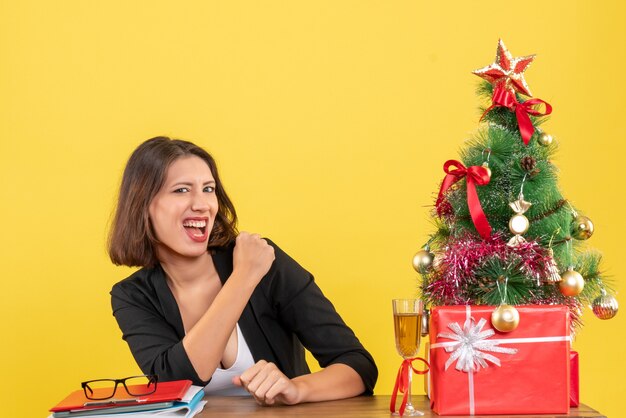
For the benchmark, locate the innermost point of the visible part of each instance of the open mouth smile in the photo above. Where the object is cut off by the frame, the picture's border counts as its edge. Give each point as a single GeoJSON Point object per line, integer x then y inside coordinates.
{"type": "Point", "coordinates": [196, 229]}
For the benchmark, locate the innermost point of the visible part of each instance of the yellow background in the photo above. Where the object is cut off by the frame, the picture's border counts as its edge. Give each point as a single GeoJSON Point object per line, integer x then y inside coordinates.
{"type": "Point", "coordinates": [330, 121]}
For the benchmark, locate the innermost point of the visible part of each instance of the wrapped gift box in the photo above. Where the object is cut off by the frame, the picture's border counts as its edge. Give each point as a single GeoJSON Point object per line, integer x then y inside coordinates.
{"type": "Point", "coordinates": [533, 376]}
{"type": "Point", "coordinates": [573, 387]}
{"type": "Point", "coordinates": [427, 375]}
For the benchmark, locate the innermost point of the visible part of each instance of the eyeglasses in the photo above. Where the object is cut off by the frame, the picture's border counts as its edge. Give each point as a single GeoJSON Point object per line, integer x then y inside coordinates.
{"type": "Point", "coordinates": [134, 385]}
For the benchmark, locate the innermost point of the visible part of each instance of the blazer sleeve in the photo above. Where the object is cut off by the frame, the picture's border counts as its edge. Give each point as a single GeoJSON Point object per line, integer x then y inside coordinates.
{"type": "Point", "coordinates": [304, 309]}
{"type": "Point", "coordinates": [154, 343]}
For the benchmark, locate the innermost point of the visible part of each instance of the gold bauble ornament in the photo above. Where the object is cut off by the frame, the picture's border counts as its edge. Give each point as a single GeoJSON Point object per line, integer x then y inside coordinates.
{"type": "Point", "coordinates": [544, 139]}
{"type": "Point", "coordinates": [425, 323]}
{"type": "Point", "coordinates": [486, 165]}
{"type": "Point", "coordinates": [505, 318]}
{"type": "Point", "coordinates": [582, 228]}
{"type": "Point", "coordinates": [518, 224]}
{"type": "Point", "coordinates": [605, 306]}
{"type": "Point", "coordinates": [572, 283]}
{"type": "Point", "coordinates": [423, 261]}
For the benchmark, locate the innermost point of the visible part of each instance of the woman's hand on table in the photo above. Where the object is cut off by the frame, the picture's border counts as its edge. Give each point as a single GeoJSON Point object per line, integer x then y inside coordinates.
{"type": "Point", "coordinates": [269, 385]}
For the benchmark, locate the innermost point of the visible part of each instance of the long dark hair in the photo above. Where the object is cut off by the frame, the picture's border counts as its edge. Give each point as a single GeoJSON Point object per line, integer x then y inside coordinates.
{"type": "Point", "coordinates": [132, 241]}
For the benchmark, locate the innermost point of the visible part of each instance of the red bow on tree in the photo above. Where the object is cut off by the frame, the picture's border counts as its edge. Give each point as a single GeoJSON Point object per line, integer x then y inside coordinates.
{"type": "Point", "coordinates": [506, 98]}
{"type": "Point", "coordinates": [475, 175]}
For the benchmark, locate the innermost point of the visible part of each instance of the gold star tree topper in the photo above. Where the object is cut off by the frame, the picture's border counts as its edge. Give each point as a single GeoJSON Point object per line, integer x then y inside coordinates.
{"type": "Point", "coordinates": [507, 72]}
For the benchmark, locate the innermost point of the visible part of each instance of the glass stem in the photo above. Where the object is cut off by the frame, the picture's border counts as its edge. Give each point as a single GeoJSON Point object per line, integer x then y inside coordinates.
{"type": "Point", "coordinates": [409, 404]}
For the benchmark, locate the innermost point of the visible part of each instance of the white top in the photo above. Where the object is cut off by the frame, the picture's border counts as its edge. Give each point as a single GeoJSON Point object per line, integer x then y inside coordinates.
{"type": "Point", "coordinates": [221, 383]}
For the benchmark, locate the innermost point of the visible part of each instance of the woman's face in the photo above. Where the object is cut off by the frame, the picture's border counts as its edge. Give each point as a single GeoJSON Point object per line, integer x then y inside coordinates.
{"type": "Point", "coordinates": [184, 209]}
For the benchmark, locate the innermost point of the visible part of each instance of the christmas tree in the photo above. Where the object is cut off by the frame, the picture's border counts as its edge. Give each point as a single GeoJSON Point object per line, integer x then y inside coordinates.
{"type": "Point", "coordinates": [505, 234]}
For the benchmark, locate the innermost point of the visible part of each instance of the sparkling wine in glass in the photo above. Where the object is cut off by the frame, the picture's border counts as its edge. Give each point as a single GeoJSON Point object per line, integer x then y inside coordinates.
{"type": "Point", "coordinates": [407, 321]}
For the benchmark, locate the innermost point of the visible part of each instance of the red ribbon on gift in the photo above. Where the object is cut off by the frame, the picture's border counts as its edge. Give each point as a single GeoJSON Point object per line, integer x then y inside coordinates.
{"type": "Point", "coordinates": [403, 382]}
{"type": "Point", "coordinates": [506, 98]}
{"type": "Point", "coordinates": [475, 175]}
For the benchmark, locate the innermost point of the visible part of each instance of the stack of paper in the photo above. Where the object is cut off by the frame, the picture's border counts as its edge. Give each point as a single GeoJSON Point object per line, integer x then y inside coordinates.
{"type": "Point", "coordinates": [172, 399]}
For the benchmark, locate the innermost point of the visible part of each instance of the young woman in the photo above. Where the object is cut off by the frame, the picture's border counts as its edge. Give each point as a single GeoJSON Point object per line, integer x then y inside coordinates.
{"type": "Point", "coordinates": [228, 311]}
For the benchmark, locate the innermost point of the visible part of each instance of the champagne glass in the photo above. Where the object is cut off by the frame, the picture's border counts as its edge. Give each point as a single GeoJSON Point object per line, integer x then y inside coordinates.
{"type": "Point", "coordinates": [407, 321]}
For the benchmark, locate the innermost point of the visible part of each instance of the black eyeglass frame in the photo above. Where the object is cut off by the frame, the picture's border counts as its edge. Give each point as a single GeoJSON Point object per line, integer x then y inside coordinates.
{"type": "Point", "coordinates": [152, 379]}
